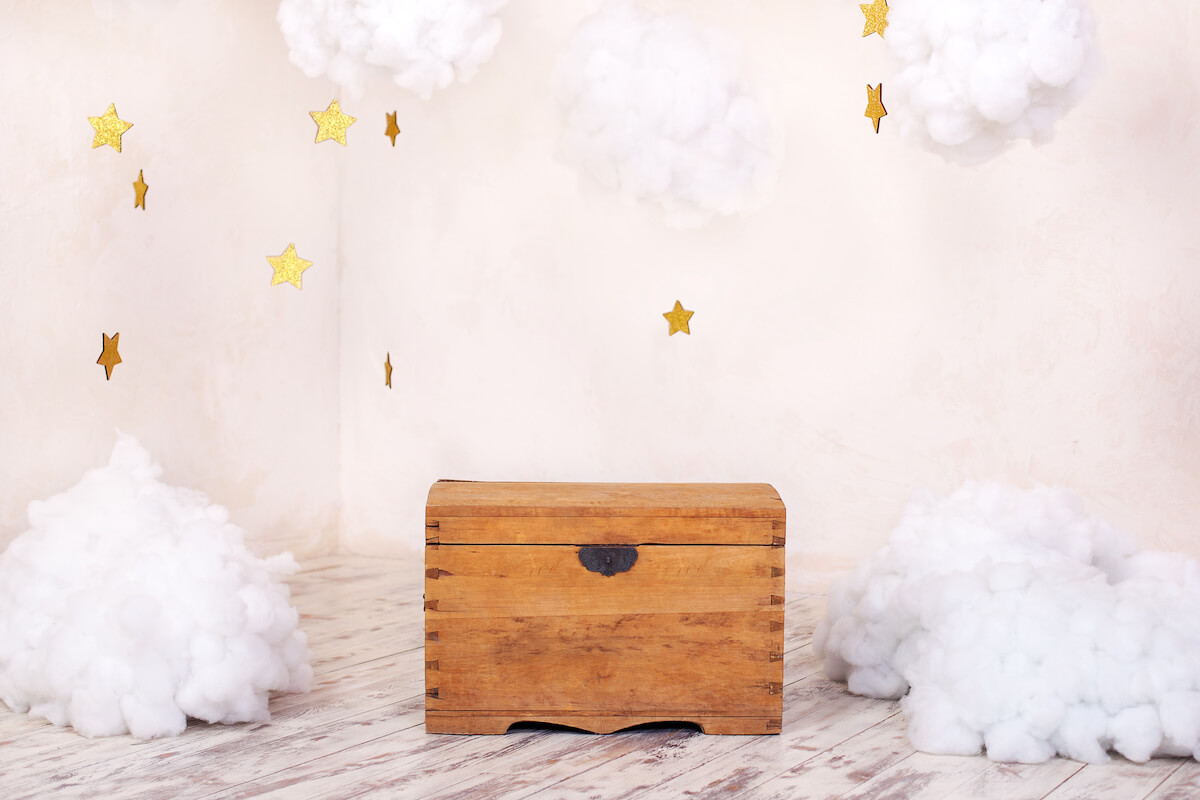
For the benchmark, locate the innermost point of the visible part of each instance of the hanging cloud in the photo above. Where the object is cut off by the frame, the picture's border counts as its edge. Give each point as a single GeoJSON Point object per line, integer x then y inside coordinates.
{"type": "Point", "coordinates": [130, 606]}
{"type": "Point", "coordinates": [1013, 622]}
{"type": "Point", "coordinates": [975, 76]}
{"type": "Point", "coordinates": [427, 44]}
{"type": "Point", "coordinates": [657, 108]}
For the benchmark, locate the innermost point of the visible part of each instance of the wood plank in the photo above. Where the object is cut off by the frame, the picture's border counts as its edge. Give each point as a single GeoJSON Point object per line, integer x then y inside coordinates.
{"type": "Point", "coordinates": [517, 580]}
{"type": "Point", "coordinates": [1183, 784]}
{"type": "Point", "coordinates": [499, 499]}
{"type": "Point", "coordinates": [624, 665]}
{"type": "Point", "coordinates": [1117, 780]}
{"type": "Point", "coordinates": [606, 530]}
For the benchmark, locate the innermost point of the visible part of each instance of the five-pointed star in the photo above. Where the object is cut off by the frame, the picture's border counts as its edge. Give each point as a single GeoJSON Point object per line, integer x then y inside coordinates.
{"type": "Point", "coordinates": [109, 128]}
{"type": "Point", "coordinates": [876, 13]}
{"type": "Point", "coordinates": [393, 129]}
{"type": "Point", "coordinates": [678, 318]}
{"type": "Point", "coordinates": [387, 371]}
{"type": "Point", "coordinates": [288, 267]}
{"type": "Point", "coordinates": [109, 357]}
{"type": "Point", "coordinates": [139, 188]}
{"type": "Point", "coordinates": [875, 109]}
{"type": "Point", "coordinates": [332, 123]}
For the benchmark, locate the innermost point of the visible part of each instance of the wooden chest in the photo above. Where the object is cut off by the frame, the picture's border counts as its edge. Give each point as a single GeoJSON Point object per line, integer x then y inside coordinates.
{"type": "Point", "coordinates": [602, 606]}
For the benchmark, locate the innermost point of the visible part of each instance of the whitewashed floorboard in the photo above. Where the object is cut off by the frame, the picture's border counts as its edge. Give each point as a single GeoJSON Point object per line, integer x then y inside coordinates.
{"type": "Point", "coordinates": [360, 734]}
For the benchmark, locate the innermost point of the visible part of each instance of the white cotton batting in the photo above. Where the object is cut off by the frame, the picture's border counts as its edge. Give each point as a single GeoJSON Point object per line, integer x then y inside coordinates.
{"type": "Point", "coordinates": [974, 77]}
{"type": "Point", "coordinates": [657, 108]}
{"type": "Point", "coordinates": [426, 44]}
{"type": "Point", "coordinates": [131, 605]}
{"type": "Point", "coordinates": [1012, 621]}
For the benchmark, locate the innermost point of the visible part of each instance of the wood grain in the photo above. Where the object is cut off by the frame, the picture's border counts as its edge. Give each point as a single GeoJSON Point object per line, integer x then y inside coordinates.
{"type": "Point", "coordinates": [525, 632]}
{"type": "Point", "coordinates": [360, 734]}
{"type": "Point", "coordinates": [487, 499]}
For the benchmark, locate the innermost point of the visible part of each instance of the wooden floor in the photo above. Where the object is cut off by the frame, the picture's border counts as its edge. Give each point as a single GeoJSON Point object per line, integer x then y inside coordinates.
{"type": "Point", "coordinates": [360, 733]}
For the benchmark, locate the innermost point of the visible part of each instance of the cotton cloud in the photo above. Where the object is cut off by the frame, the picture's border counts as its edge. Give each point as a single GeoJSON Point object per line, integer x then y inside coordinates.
{"type": "Point", "coordinates": [1013, 622]}
{"type": "Point", "coordinates": [427, 44]}
{"type": "Point", "coordinates": [130, 606]}
{"type": "Point", "coordinates": [975, 77]}
{"type": "Point", "coordinates": [657, 108]}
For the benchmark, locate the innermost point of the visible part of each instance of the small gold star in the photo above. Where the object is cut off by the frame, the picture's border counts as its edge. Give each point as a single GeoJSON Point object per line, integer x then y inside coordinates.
{"type": "Point", "coordinates": [387, 371]}
{"type": "Point", "coordinates": [288, 267]}
{"type": "Point", "coordinates": [875, 109]}
{"type": "Point", "coordinates": [109, 128]}
{"type": "Point", "coordinates": [109, 357]}
{"type": "Point", "coordinates": [139, 188]}
{"type": "Point", "coordinates": [393, 130]}
{"type": "Point", "coordinates": [332, 123]}
{"type": "Point", "coordinates": [678, 318]}
{"type": "Point", "coordinates": [876, 13]}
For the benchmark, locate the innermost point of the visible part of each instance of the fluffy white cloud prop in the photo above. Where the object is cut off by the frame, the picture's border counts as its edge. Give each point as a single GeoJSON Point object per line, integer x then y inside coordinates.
{"type": "Point", "coordinates": [130, 606]}
{"type": "Point", "coordinates": [1018, 624]}
{"type": "Point", "coordinates": [975, 76]}
{"type": "Point", "coordinates": [656, 107]}
{"type": "Point", "coordinates": [426, 43]}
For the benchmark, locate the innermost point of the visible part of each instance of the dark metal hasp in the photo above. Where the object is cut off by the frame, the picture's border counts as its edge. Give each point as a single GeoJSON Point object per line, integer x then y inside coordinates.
{"type": "Point", "coordinates": [608, 561]}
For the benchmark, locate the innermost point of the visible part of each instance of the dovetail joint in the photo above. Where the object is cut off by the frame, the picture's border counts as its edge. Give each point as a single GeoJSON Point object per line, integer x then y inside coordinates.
{"type": "Point", "coordinates": [776, 657]}
{"type": "Point", "coordinates": [432, 666]}
{"type": "Point", "coordinates": [776, 600]}
{"type": "Point", "coordinates": [431, 636]}
{"type": "Point", "coordinates": [778, 541]}
{"type": "Point", "coordinates": [432, 693]}
{"type": "Point", "coordinates": [774, 688]}
{"type": "Point", "coordinates": [431, 605]}
{"type": "Point", "coordinates": [776, 572]}
{"type": "Point", "coordinates": [776, 626]}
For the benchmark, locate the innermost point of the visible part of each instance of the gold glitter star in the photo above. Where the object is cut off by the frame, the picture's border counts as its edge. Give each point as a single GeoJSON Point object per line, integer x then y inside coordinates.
{"type": "Point", "coordinates": [393, 130]}
{"type": "Point", "coordinates": [288, 267]}
{"type": "Point", "coordinates": [876, 13]}
{"type": "Point", "coordinates": [109, 128]}
{"type": "Point", "coordinates": [875, 109]}
{"type": "Point", "coordinates": [109, 357]}
{"type": "Point", "coordinates": [678, 319]}
{"type": "Point", "coordinates": [387, 371]}
{"type": "Point", "coordinates": [139, 188]}
{"type": "Point", "coordinates": [332, 123]}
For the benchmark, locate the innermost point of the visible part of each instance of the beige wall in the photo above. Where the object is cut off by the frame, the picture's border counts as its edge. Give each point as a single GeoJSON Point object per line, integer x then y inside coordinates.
{"type": "Point", "coordinates": [230, 383]}
{"type": "Point", "coordinates": [886, 322]}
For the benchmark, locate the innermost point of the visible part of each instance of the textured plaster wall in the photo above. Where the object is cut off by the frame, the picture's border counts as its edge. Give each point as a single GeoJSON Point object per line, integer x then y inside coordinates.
{"type": "Point", "coordinates": [887, 322]}
{"type": "Point", "coordinates": [230, 383]}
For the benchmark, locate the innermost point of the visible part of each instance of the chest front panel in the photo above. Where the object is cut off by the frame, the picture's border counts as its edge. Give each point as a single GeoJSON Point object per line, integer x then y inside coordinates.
{"type": "Point", "coordinates": [686, 632]}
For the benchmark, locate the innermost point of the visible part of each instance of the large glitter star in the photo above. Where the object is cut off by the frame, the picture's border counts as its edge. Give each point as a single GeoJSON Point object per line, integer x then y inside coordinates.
{"type": "Point", "coordinates": [876, 13]}
{"type": "Point", "coordinates": [109, 128]}
{"type": "Point", "coordinates": [288, 267]}
{"type": "Point", "coordinates": [875, 109]}
{"type": "Point", "coordinates": [109, 357]}
{"type": "Point", "coordinates": [678, 318]}
{"type": "Point", "coordinates": [332, 123]}
{"type": "Point", "coordinates": [393, 129]}
{"type": "Point", "coordinates": [139, 188]}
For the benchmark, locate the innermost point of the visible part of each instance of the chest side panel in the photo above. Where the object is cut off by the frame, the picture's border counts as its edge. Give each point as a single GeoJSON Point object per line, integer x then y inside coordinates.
{"type": "Point", "coordinates": [687, 630]}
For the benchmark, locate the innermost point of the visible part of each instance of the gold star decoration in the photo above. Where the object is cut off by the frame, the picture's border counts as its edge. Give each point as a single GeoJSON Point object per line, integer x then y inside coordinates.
{"type": "Point", "coordinates": [678, 318]}
{"type": "Point", "coordinates": [876, 13]}
{"type": "Point", "coordinates": [875, 109]}
{"type": "Point", "coordinates": [288, 267]}
{"type": "Point", "coordinates": [393, 129]}
{"type": "Point", "coordinates": [387, 371]}
{"type": "Point", "coordinates": [109, 357]}
{"type": "Point", "coordinates": [139, 188]}
{"type": "Point", "coordinates": [332, 123]}
{"type": "Point", "coordinates": [109, 128]}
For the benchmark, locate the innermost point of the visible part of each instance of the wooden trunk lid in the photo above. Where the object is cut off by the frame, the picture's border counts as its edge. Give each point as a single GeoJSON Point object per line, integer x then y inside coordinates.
{"type": "Point", "coordinates": [470, 512]}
